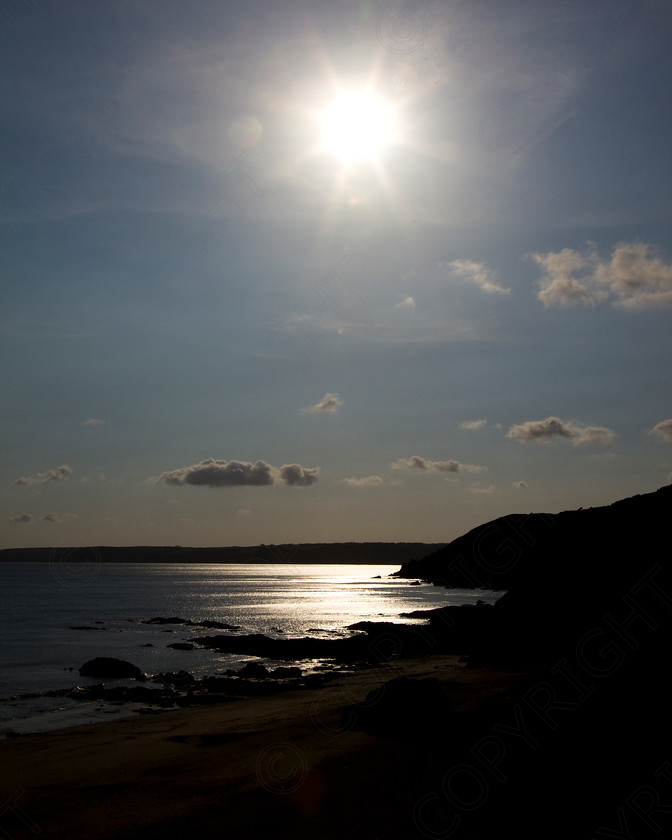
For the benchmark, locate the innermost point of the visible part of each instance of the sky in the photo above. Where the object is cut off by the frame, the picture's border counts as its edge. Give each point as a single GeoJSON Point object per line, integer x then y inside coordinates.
{"type": "Point", "coordinates": [331, 271]}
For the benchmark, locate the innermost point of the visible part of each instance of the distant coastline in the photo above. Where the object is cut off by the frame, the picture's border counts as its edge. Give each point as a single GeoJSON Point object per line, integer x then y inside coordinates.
{"type": "Point", "coordinates": [367, 553]}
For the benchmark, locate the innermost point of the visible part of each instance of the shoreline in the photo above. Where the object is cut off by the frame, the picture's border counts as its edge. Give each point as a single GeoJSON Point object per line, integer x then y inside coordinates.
{"type": "Point", "coordinates": [252, 762]}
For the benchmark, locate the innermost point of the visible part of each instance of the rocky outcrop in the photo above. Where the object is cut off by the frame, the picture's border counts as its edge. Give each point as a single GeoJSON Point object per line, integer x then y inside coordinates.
{"type": "Point", "coordinates": [187, 622]}
{"type": "Point", "coordinates": [375, 642]}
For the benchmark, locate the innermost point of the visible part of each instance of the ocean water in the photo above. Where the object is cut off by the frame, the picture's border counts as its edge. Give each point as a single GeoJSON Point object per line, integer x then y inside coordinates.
{"type": "Point", "coordinates": [55, 616]}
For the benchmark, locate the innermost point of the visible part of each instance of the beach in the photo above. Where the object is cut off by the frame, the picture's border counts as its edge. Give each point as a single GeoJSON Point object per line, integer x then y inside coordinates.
{"type": "Point", "coordinates": [292, 765]}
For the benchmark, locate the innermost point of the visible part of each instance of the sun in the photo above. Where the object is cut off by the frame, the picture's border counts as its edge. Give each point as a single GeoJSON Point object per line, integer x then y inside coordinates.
{"type": "Point", "coordinates": [357, 125]}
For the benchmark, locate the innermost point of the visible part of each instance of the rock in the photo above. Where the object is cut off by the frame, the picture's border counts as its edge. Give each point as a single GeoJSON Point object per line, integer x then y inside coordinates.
{"type": "Point", "coordinates": [181, 646]}
{"type": "Point", "coordinates": [179, 678]}
{"type": "Point", "coordinates": [104, 666]}
{"type": "Point", "coordinates": [159, 619]}
{"type": "Point", "coordinates": [254, 670]}
{"type": "Point", "coordinates": [286, 673]}
{"type": "Point", "coordinates": [175, 619]}
{"type": "Point", "coordinates": [217, 625]}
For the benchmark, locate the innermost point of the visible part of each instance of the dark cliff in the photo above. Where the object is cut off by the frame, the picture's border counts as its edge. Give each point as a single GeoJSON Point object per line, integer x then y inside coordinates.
{"type": "Point", "coordinates": [593, 547]}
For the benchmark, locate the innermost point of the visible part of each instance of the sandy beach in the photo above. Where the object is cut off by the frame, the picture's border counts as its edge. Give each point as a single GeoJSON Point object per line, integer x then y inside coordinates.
{"type": "Point", "coordinates": [291, 765]}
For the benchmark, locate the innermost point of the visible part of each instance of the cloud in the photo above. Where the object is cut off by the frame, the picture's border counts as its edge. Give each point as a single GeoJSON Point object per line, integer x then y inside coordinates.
{"type": "Point", "coordinates": [473, 425]}
{"type": "Point", "coordinates": [219, 473]}
{"type": "Point", "coordinates": [297, 476]}
{"type": "Point", "coordinates": [633, 277]}
{"type": "Point", "coordinates": [663, 430]}
{"type": "Point", "coordinates": [519, 485]}
{"type": "Point", "coordinates": [552, 429]}
{"type": "Point", "coordinates": [415, 462]}
{"type": "Point", "coordinates": [406, 303]}
{"type": "Point", "coordinates": [94, 421]}
{"type": "Point", "coordinates": [477, 273]}
{"type": "Point", "coordinates": [483, 491]}
{"type": "Point", "coordinates": [22, 517]}
{"type": "Point", "coordinates": [328, 403]}
{"type": "Point", "coordinates": [28, 518]}
{"type": "Point", "coordinates": [59, 474]}
{"type": "Point", "coordinates": [367, 481]}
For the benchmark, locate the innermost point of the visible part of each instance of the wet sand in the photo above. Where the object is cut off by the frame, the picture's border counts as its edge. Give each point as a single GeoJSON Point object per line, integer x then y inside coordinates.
{"type": "Point", "coordinates": [287, 765]}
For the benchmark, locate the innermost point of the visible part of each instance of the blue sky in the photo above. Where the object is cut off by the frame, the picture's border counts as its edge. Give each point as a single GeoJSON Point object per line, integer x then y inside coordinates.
{"type": "Point", "coordinates": [222, 324]}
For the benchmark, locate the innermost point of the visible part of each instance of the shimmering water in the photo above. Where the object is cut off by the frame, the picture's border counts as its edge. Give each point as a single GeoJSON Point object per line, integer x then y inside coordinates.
{"type": "Point", "coordinates": [44, 609]}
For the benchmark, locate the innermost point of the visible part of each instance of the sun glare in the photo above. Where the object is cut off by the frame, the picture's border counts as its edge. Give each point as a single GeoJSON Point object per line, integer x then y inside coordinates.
{"type": "Point", "coordinates": [357, 125]}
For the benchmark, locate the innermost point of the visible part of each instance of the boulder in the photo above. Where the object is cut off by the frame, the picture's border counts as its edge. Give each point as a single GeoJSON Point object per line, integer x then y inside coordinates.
{"type": "Point", "coordinates": [111, 668]}
{"type": "Point", "coordinates": [254, 670]}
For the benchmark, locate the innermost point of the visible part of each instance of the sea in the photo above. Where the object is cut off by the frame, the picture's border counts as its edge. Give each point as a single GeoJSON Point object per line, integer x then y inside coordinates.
{"type": "Point", "coordinates": [55, 616]}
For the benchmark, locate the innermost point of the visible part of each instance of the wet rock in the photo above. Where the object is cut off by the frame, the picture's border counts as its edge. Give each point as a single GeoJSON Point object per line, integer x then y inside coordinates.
{"type": "Point", "coordinates": [187, 622]}
{"type": "Point", "coordinates": [162, 620]}
{"type": "Point", "coordinates": [217, 625]}
{"type": "Point", "coordinates": [254, 670]}
{"type": "Point", "coordinates": [111, 668]}
{"type": "Point", "coordinates": [181, 646]}
{"type": "Point", "coordinates": [177, 678]}
{"type": "Point", "coordinates": [286, 673]}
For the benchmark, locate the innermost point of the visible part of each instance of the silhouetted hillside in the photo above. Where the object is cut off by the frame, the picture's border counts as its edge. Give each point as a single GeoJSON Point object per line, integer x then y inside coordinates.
{"type": "Point", "coordinates": [591, 547]}
{"type": "Point", "coordinates": [566, 575]}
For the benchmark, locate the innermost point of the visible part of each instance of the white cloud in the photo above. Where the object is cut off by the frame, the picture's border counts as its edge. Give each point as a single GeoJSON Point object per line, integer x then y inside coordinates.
{"type": "Point", "coordinates": [552, 429]}
{"type": "Point", "coordinates": [219, 473]}
{"type": "Point", "coordinates": [94, 421]}
{"type": "Point", "coordinates": [519, 485]}
{"type": "Point", "coordinates": [483, 491]}
{"type": "Point", "coordinates": [328, 403]}
{"type": "Point", "coordinates": [415, 462]}
{"type": "Point", "coordinates": [633, 277]}
{"type": "Point", "coordinates": [406, 303]}
{"type": "Point", "coordinates": [367, 481]}
{"type": "Point", "coordinates": [663, 430]}
{"type": "Point", "coordinates": [479, 274]}
{"type": "Point", "coordinates": [473, 425]}
{"type": "Point", "coordinates": [59, 474]}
